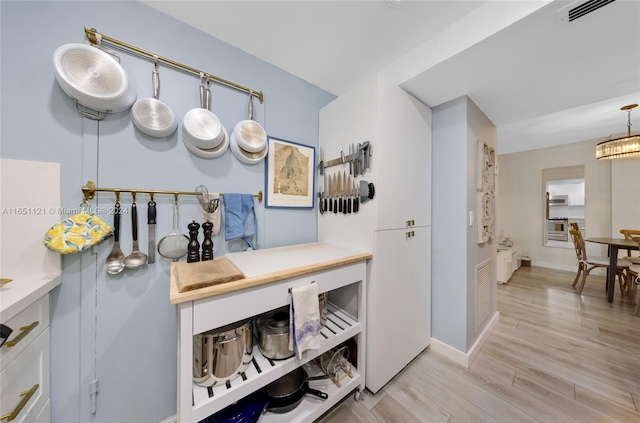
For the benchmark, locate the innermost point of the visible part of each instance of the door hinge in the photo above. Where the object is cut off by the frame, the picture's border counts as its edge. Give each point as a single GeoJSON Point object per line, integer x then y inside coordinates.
{"type": "Point", "coordinates": [93, 396]}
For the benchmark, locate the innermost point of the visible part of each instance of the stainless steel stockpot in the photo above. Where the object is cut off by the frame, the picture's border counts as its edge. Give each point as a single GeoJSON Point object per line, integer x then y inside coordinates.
{"type": "Point", "coordinates": [273, 334]}
{"type": "Point", "coordinates": [222, 354]}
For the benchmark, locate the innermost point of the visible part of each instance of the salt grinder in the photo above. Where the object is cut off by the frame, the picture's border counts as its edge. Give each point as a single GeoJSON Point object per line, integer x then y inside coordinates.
{"type": "Point", "coordinates": [193, 249]}
{"type": "Point", "coordinates": [207, 244]}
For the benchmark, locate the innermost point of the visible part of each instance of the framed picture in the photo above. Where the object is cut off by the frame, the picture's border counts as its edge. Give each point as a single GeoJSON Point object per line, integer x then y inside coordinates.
{"type": "Point", "coordinates": [290, 174]}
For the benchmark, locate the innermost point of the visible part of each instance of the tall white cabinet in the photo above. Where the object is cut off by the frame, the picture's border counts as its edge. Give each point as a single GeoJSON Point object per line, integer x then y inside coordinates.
{"type": "Point", "coordinates": [395, 226]}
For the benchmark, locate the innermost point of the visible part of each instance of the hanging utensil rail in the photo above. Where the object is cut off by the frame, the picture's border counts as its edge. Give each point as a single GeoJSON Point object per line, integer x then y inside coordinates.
{"type": "Point", "coordinates": [90, 189]}
{"type": "Point", "coordinates": [95, 38]}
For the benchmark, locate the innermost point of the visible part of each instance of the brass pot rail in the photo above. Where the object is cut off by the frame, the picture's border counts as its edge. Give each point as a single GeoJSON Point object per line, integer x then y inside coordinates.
{"type": "Point", "coordinates": [96, 38]}
{"type": "Point", "coordinates": [90, 189]}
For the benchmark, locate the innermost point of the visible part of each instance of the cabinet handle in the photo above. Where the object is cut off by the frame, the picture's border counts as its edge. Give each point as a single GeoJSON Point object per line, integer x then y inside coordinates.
{"type": "Point", "coordinates": [410, 223]}
{"type": "Point", "coordinates": [24, 331]}
{"type": "Point", "coordinates": [26, 396]}
{"type": "Point", "coordinates": [410, 234]}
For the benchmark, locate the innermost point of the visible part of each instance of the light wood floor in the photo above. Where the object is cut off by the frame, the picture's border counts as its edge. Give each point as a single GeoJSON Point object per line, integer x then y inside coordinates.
{"type": "Point", "coordinates": [553, 357]}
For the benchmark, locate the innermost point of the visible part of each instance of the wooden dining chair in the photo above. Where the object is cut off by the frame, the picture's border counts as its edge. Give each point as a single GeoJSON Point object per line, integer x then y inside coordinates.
{"type": "Point", "coordinates": [634, 281]}
{"type": "Point", "coordinates": [587, 264]}
{"type": "Point", "coordinates": [630, 234]}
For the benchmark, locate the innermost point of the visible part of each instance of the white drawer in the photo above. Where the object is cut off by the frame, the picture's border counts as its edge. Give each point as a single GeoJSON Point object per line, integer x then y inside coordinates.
{"type": "Point", "coordinates": [45, 414]}
{"type": "Point", "coordinates": [26, 379]}
{"type": "Point", "coordinates": [26, 325]}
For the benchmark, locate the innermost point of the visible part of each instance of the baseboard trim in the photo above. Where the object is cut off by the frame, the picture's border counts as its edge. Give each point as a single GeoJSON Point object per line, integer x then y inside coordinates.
{"type": "Point", "coordinates": [460, 357]}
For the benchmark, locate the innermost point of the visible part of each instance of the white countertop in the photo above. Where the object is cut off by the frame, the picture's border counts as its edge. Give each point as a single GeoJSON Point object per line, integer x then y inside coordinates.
{"type": "Point", "coordinates": [17, 295]}
{"type": "Point", "coordinates": [264, 266]}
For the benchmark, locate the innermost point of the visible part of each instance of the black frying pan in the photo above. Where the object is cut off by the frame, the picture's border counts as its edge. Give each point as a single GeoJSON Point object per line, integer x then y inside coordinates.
{"type": "Point", "coordinates": [286, 393]}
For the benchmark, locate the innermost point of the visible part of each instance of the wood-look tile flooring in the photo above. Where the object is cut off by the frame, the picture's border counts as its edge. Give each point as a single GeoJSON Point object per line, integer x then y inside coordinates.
{"type": "Point", "coordinates": [553, 357]}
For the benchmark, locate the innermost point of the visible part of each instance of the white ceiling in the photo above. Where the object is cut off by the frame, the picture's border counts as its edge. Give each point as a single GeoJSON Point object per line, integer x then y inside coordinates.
{"type": "Point", "coordinates": [541, 81]}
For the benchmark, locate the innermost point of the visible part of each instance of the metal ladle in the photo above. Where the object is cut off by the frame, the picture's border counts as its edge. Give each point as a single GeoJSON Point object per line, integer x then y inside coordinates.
{"type": "Point", "coordinates": [115, 261]}
{"type": "Point", "coordinates": [137, 258]}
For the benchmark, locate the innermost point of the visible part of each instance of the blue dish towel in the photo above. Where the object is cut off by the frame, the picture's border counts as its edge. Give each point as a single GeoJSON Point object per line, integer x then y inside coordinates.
{"type": "Point", "coordinates": [239, 218]}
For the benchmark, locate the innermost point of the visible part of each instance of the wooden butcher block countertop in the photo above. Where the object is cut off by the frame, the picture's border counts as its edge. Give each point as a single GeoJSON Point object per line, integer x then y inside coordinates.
{"type": "Point", "coordinates": [269, 265]}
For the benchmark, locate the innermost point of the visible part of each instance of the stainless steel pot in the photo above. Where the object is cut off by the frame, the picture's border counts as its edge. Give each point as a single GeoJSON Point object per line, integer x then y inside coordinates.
{"type": "Point", "coordinates": [222, 354]}
{"type": "Point", "coordinates": [273, 334]}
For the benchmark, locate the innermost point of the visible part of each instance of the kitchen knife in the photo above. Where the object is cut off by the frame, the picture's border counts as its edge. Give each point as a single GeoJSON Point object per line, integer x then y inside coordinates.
{"type": "Point", "coordinates": [329, 193]}
{"type": "Point", "coordinates": [344, 192]}
{"type": "Point", "coordinates": [356, 197]}
{"type": "Point", "coordinates": [339, 193]}
{"type": "Point", "coordinates": [349, 195]}
{"type": "Point", "coordinates": [335, 193]}
{"type": "Point", "coordinates": [325, 187]}
{"type": "Point", "coordinates": [151, 221]}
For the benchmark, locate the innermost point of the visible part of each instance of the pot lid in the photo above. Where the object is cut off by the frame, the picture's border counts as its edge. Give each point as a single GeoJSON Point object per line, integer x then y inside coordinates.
{"type": "Point", "coordinates": [275, 322]}
{"type": "Point", "coordinates": [228, 328]}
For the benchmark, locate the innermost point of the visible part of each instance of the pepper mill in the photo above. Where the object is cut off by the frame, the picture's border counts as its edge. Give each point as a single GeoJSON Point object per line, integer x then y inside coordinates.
{"type": "Point", "coordinates": [193, 249]}
{"type": "Point", "coordinates": [207, 244]}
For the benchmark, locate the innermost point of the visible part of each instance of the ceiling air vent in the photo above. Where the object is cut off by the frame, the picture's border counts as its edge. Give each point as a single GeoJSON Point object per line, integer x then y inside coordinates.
{"type": "Point", "coordinates": [586, 8]}
{"type": "Point", "coordinates": [577, 9]}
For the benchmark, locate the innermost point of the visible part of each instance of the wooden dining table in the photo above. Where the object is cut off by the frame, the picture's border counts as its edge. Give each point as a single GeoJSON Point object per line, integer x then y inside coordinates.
{"type": "Point", "coordinates": [614, 245]}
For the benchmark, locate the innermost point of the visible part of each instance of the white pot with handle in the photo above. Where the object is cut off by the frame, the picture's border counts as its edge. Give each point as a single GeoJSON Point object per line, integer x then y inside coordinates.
{"type": "Point", "coordinates": [94, 79]}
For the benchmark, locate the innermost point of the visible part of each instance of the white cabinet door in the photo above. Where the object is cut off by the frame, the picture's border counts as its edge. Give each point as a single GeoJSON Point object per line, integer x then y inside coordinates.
{"type": "Point", "coordinates": [399, 303]}
{"type": "Point", "coordinates": [402, 157]}
{"type": "Point", "coordinates": [386, 310]}
{"type": "Point", "coordinates": [418, 164]}
{"type": "Point", "coordinates": [418, 291]}
{"type": "Point", "coordinates": [390, 155]}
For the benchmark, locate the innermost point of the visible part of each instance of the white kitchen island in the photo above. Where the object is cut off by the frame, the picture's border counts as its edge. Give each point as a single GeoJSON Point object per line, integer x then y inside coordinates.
{"type": "Point", "coordinates": [269, 274]}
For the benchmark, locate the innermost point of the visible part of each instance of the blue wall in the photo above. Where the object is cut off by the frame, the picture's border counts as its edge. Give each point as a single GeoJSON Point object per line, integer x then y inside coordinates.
{"type": "Point", "coordinates": [121, 330]}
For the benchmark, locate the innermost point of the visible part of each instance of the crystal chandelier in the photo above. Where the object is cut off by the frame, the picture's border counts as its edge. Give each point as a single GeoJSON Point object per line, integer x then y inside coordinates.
{"type": "Point", "coordinates": [625, 147]}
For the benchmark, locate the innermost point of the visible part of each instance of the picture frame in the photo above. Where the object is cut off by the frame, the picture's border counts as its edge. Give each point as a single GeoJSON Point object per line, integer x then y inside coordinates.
{"type": "Point", "coordinates": [290, 174]}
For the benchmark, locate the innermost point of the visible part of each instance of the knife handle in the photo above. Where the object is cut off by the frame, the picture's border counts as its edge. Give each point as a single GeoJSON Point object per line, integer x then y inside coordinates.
{"type": "Point", "coordinates": [349, 205]}
{"type": "Point", "coordinates": [330, 205]}
{"type": "Point", "coordinates": [344, 206]}
{"type": "Point", "coordinates": [339, 205]}
{"type": "Point", "coordinates": [320, 206]}
{"type": "Point", "coordinates": [116, 222]}
{"type": "Point", "coordinates": [356, 205]}
{"type": "Point", "coordinates": [324, 201]}
{"type": "Point", "coordinates": [335, 205]}
{"type": "Point", "coordinates": [151, 213]}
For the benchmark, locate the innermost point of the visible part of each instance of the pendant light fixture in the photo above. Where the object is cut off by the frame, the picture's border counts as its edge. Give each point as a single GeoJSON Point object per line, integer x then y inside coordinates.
{"type": "Point", "coordinates": [625, 147]}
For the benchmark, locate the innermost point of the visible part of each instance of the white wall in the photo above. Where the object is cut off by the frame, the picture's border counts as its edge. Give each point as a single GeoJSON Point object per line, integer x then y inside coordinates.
{"type": "Point", "coordinates": [521, 204]}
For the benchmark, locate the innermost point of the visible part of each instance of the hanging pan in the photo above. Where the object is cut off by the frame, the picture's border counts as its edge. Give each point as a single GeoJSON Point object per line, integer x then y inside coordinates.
{"type": "Point", "coordinates": [94, 79]}
{"type": "Point", "coordinates": [150, 115]}
{"type": "Point", "coordinates": [249, 134]}
{"type": "Point", "coordinates": [200, 127]}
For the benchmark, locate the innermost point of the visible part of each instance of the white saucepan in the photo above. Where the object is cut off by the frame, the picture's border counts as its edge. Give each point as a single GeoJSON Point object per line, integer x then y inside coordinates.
{"type": "Point", "coordinates": [93, 78]}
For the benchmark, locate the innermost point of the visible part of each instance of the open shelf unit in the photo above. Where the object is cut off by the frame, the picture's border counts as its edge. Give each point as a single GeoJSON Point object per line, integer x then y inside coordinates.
{"type": "Point", "coordinates": [195, 402]}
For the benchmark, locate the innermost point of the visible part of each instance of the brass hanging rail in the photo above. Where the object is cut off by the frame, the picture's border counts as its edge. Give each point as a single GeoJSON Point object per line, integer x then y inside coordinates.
{"type": "Point", "coordinates": [90, 189]}
{"type": "Point", "coordinates": [95, 38]}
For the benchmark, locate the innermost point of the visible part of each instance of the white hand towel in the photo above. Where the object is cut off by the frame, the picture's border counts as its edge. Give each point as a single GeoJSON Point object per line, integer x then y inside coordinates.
{"type": "Point", "coordinates": [304, 311]}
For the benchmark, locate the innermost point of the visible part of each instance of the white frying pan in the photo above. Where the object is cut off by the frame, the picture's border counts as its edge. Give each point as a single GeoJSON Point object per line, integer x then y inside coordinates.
{"type": "Point", "coordinates": [249, 134]}
{"type": "Point", "coordinates": [150, 115]}
{"type": "Point", "coordinates": [201, 127]}
{"type": "Point", "coordinates": [93, 78]}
